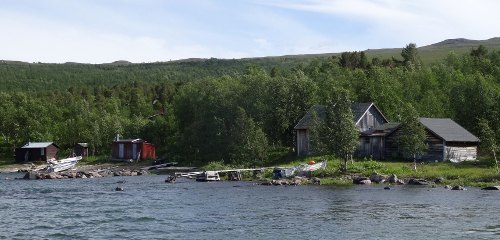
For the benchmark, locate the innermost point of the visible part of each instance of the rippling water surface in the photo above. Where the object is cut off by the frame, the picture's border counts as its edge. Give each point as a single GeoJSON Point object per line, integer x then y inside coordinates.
{"type": "Point", "coordinates": [148, 208]}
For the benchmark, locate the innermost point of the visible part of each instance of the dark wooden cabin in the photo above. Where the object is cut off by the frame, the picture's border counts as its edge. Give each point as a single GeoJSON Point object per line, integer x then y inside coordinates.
{"type": "Point", "coordinates": [81, 149]}
{"type": "Point", "coordinates": [132, 150]}
{"type": "Point", "coordinates": [366, 116]}
{"type": "Point", "coordinates": [36, 151]}
{"type": "Point", "coordinates": [446, 140]}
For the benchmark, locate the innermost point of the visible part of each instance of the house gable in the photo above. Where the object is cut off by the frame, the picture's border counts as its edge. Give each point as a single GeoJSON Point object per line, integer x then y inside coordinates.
{"type": "Point", "coordinates": [365, 115]}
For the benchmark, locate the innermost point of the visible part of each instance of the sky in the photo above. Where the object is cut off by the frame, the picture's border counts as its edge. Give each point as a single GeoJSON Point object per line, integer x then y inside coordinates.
{"type": "Point", "coordinates": [103, 31]}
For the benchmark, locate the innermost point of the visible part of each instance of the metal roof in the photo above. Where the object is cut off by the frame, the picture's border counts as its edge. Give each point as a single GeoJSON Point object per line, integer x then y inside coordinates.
{"type": "Point", "coordinates": [448, 130]}
{"type": "Point", "coordinates": [38, 145]}
{"type": "Point", "coordinates": [358, 110]}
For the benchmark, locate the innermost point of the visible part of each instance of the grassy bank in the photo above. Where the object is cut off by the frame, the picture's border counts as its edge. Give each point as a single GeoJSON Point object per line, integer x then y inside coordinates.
{"type": "Point", "coordinates": [477, 173]}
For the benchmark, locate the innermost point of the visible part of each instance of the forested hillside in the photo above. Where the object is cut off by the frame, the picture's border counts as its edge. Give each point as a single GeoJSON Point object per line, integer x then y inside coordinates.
{"type": "Point", "coordinates": [238, 111]}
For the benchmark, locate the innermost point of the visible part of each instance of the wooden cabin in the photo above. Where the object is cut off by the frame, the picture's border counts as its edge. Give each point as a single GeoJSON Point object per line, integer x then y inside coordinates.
{"type": "Point", "coordinates": [36, 151]}
{"type": "Point", "coordinates": [367, 116]}
{"type": "Point", "coordinates": [372, 142]}
{"type": "Point", "coordinates": [132, 150]}
{"type": "Point", "coordinates": [446, 140]}
{"type": "Point", "coordinates": [81, 149]}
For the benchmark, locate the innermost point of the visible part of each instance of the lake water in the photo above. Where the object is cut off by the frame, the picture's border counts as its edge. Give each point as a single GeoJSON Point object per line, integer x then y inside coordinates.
{"type": "Point", "coordinates": [149, 208]}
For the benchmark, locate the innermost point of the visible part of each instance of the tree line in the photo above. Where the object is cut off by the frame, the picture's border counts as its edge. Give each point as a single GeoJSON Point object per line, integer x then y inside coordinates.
{"type": "Point", "coordinates": [243, 114]}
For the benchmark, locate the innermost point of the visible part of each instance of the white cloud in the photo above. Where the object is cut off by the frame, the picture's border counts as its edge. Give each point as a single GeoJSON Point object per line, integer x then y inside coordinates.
{"type": "Point", "coordinates": [423, 21]}
{"type": "Point", "coordinates": [97, 32]}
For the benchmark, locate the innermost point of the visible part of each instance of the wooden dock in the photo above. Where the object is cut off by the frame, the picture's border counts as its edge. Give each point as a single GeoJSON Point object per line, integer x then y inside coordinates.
{"type": "Point", "coordinates": [233, 174]}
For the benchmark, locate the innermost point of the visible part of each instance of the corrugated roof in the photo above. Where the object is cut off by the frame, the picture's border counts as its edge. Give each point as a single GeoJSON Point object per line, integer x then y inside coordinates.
{"type": "Point", "coordinates": [358, 110]}
{"type": "Point", "coordinates": [448, 130]}
{"type": "Point", "coordinates": [38, 145]}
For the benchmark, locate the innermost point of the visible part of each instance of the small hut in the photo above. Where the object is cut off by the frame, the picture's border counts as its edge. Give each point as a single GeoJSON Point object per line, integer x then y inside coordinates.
{"type": "Point", "coordinates": [81, 149]}
{"type": "Point", "coordinates": [132, 150]}
{"type": "Point", "coordinates": [446, 141]}
{"type": "Point", "coordinates": [36, 151]}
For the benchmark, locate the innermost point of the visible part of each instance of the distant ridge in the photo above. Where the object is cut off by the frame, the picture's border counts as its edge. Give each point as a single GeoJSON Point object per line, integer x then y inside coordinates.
{"type": "Point", "coordinates": [453, 42]}
{"type": "Point", "coordinates": [120, 62]}
{"type": "Point", "coordinates": [429, 54]}
{"type": "Point", "coordinates": [459, 42]}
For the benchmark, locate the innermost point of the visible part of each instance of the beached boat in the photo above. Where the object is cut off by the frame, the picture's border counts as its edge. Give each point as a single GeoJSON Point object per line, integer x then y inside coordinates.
{"type": "Point", "coordinates": [62, 164]}
{"type": "Point", "coordinates": [301, 170]}
{"type": "Point", "coordinates": [208, 176]}
{"type": "Point", "coordinates": [311, 167]}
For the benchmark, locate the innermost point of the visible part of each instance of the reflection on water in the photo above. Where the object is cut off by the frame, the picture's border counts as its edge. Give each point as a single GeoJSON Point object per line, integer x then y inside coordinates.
{"type": "Point", "coordinates": [152, 209]}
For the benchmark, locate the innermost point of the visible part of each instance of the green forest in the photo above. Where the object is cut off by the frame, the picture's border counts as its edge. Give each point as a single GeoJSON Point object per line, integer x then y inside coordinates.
{"type": "Point", "coordinates": [239, 111]}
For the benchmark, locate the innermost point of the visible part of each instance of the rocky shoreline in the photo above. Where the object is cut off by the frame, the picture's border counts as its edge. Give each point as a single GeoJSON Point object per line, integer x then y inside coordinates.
{"type": "Point", "coordinates": [110, 170]}
{"type": "Point", "coordinates": [40, 175]}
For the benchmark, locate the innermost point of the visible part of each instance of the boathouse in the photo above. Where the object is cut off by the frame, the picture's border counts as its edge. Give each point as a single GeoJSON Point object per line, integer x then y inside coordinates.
{"type": "Point", "coordinates": [446, 141]}
{"type": "Point", "coordinates": [367, 116]}
{"type": "Point", "coordinates": [36, 151]}
{"type": "Point", "coordinates": [81, 149]}
{"type": "Point", "coordinates": [132, 150]}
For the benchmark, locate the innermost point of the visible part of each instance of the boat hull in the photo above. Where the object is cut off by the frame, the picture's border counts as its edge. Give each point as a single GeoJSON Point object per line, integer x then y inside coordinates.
{"type": "Point", "coordinates": [62, 164]}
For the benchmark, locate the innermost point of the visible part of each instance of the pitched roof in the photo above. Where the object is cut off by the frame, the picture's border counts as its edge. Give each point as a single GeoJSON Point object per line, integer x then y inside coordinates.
{"type": "Point", "coordinates": [358, 110]}
{"type": "Point", "coordinates": [38, 145]}
{"type": "Point", "coordinates": [448, 130]}
{"type": "Point", "coordinates": [382, 130]}
{"type": "Point", "coordinates": [306, 119]}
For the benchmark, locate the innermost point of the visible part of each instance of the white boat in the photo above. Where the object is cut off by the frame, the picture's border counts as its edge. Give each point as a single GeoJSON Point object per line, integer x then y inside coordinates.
{"type": "Point", "coordinates": [311, 167]}
{"type": "Point", "coordinates": [208, 176]}
{"type": "Point", "coordinates": [62, 164]}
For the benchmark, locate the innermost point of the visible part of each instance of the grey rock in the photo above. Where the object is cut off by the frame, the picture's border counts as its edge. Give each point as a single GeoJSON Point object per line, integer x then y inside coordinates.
{"type": "Point", "coordinates": [393, 178]}
{"type": "Point", "coordinates": [414, 181]}
{"type": "Point", "coordinates": [359, 180]}
{"type": "Point", "coordinates": [439, 180]}
{"type": "Point", "coordinates": [458, 187]}
{"type": "Point", "coordinates": [377, 178]}
{"type": "Point", "coordinates": [366, 182]}
{"type": "Point", "coordinates": [491, 188]}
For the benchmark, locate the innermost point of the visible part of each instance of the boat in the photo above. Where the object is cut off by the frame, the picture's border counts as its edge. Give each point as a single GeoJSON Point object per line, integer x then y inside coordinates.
{"type": "Point", "coordinates": [62, 164]}
{"type": "Point", "coordinates": [311, 167]}
{"type": "Point", "coordinates": [301, 170]}
{"type": "Point", "coordinates": [208, 176]}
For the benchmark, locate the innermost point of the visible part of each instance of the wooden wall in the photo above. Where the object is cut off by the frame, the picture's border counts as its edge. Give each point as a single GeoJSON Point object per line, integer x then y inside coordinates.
{"type": "Point", "coordinates": [434, 151]}
{"type": "Point", "coordinates": [458, 152]}
{"type": "Point", "coordinates": [371, 119]}
{"type": "Point", "coordinates": [36, 154]}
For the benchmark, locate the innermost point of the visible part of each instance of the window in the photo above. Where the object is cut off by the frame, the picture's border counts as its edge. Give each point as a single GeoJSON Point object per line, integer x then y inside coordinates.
{"type": "Point", "coordinates": [42, 151]}
{"type": "Point", "coordinates": [371, 122]}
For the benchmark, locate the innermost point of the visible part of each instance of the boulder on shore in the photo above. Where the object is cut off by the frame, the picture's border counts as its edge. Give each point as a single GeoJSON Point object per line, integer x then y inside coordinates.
{"type": "Point", "coordinates": [393, 178]}
{"type": "Point", "coordinates": [415, 181]}
{"type": "Point", "coordinates": [491, 188]}
{"type": "Point", "coordinates": [458, 187]}
{"type": "Point", "coordinates": [378, 178]}
{"type": "Point", "coordinates": [361, 180]}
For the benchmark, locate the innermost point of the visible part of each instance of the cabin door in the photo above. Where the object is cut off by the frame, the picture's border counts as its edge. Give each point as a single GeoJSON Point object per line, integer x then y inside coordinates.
{"type": "Point", "coordinates": [134, 151]}
{"type": "Point", "coordinates": [302, 143]}
{"type": "Point", "coordinates": [121, 150]}
{"type": "Point", "coordinates": [376, 148]}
